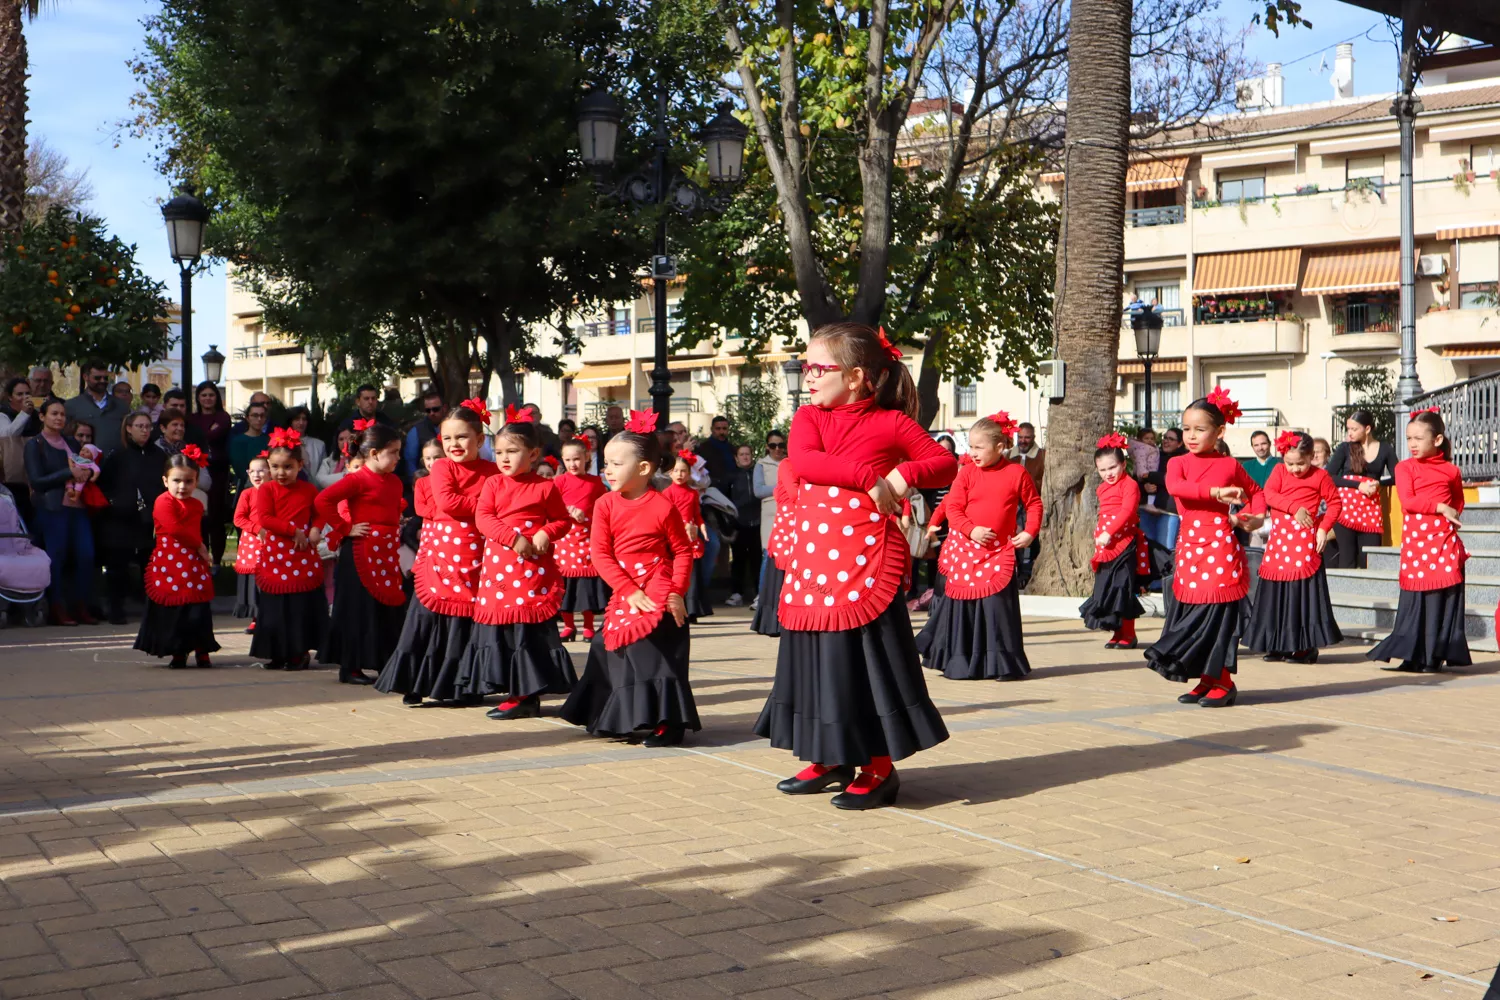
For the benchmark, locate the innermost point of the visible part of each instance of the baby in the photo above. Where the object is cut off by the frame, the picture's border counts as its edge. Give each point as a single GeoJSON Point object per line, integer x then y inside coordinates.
{"type": "Point", "coordinates": [88, 456]}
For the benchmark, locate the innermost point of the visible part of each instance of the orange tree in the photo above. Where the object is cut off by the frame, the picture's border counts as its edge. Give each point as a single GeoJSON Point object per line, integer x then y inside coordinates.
{"type": "Point", "coordinates": [69, 291]}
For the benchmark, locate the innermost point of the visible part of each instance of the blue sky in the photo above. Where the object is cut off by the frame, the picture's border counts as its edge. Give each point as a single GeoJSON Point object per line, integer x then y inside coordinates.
{"type": "Point", "coordinates": [81, 87]}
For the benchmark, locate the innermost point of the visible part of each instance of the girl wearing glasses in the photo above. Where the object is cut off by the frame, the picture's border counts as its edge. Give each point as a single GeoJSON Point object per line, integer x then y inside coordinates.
{"type": "Point", "coordinates": [849, 691]}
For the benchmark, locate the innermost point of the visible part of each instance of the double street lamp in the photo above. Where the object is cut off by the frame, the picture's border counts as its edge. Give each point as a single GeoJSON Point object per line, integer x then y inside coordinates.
{"type": "Point", "coordinates": [599, 120]}
{"type": "Point", "coordinates": [1147, 325]}
{"type": "Point", "coordinates": [186, 217]}
{"type": "Point", "coordinates": [314, 358]}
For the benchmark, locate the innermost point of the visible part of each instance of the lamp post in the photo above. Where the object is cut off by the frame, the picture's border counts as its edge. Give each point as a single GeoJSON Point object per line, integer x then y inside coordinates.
{"type": "Point", "coordinates": [213, 363]}
{"type": "Point", "coordinates": [1147, 327]}
{"type": "Point", "coordinates": [599, 119]}
{"type": "Point", "coordinates": [792, 372]}
{"type": "Point", "coordinates": [185, 217]}
{"type": "Point", "coordinates": [314, 358]}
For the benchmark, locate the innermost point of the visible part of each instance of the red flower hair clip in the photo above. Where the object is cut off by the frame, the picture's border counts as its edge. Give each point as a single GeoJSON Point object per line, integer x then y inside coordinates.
{"type": "Point", "coordinates": [194, 454]}
{"type": "Point", "coordinates": [1004, 421]}
{"type": "Point", "coordinates": [1426, 409]}
{"type": "Point", "coordinates": [360, 426]}
{"type": "Point", "coordinates": [641, 422]}
{"type": "Point", "coordinates": [1115, 440]}
{"type": "Point", "coordinates": [687, 456]}
{"type": "Point", "coordinates": [891, 350]}
{"type": "Point", "coordinates": [1287, 440]}
{"type": "Point", "coordinates": [1227, 406]}
{"type": "Point", "coordinates": [550, 460]}
{"type": "Point", "coordinates": [264, 454]}
{"type": "Point", "coordinates": [476, 406]}
{"type": "Point", "coordinates": [515, 416]}
{"type": "Point", "coordinates": [285, 437]}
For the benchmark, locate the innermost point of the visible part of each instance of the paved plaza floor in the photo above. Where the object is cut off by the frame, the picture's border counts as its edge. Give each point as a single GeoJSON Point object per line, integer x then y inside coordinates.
{"type": "Point", "coordinates": [237, 834]}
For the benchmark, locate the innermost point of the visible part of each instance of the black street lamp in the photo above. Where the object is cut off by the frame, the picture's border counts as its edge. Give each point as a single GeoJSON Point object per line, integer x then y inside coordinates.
{"type": "Point", "coordinates": [1147, 326]}
{"type": "Point", "coordinates": [792, 372]}
{"type": "Point", "coordinates": [599, 118]}
{"type": "Point", "coordinates": [213, 363]}
{"type": "Point", "coordinates": [186, 218]}
{"type": "Point", "coordinates": [314, 358]}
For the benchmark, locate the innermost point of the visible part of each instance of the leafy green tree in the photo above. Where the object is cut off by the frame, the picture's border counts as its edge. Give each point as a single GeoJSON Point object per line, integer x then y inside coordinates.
{"type": "Point", "coordinates": [69, 291]}
{"type": "Point", "coordinates": [753, 412]}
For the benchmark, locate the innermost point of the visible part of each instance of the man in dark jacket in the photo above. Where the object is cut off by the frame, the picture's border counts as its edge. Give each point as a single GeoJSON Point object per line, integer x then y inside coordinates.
{"type": "Point", "coordinates": [744, 554]}
{"type": "Point", "coordinates": [718, 453]}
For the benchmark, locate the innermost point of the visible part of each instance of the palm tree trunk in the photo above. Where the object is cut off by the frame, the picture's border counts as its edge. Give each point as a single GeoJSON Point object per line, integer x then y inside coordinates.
{"type": "Point", "coordinates": [12, 115]}
{"type": "Point", "coordinates": [1090, 261]}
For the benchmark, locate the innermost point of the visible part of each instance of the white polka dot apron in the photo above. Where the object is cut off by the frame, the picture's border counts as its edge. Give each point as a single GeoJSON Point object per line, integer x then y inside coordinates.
{"type": "Point", "coordinates": [285, 569]}
{"type": "Point", "coordinates": [624, 624]}
{"type": "Point", "coordinates": [378, 560]}
{"type": "Point", "coordinates": [447, 573]}
{"type": "Point", "coordinates": [847, 561]}
{"type": "Point", "coordinates": [1432, 554]}
{"type": "Point", "coordinates": [783, 536]}
{"type": "Point", "coordinates": [177, 575]}
{"type": "Point", "coordinates": [1360, 513]}
{"type": "Point", "coordinates": [247, 553]}
{"type": "Point", "coordinates": [971, 571]}
{"type": "Point", "coordinates": [1209, 565]}
{"type": "Point", "coordinates": [512, 589]}
{"type": "Point", "coordinates": [572, 550]}
{"type": "Point", "coordinates": [1129, 537]}
{"type": "Point", "coordinates": [1291, 551]}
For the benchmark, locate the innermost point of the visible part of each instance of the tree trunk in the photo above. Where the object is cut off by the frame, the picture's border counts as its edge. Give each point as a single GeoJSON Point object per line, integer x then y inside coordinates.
{"type": "Point", "coordinates": [452, 350]}
{"type": "Point", "coordinates": [929, 379]}
{"type": "Point", "coordinates": [12, 116]}
{"type": "Point", "coordinates": [1090, 261]}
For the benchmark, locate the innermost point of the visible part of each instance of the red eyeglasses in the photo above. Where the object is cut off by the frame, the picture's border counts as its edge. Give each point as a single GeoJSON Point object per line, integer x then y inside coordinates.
{"type": "Point", "coordinates": [813, 370]}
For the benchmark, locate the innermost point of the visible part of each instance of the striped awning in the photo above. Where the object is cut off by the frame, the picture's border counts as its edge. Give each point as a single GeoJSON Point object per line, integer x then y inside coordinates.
{"type": "Point", "coordinates": [1247, 271]}
{"type": "Point", "coordinates": [1354, 269]}
{"type": "Point", "coordinates": [1472, 351]}
{"type": "Point", "coordinates": [604, 376]}
{"type": "Point", "coordinates": [1472, 231]}
{"type": "Point", "coordinates": [727, 361]}
{"type": "Point", "coordinates": [1161, 366]}
{"type": "Point", "coordinates": [1156, 175]}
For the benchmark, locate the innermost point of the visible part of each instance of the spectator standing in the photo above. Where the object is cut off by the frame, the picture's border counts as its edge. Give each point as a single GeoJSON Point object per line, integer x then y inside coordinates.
{"type": "Point", "coordinates": [424, 430]}
{"type": "Point", "coordinates": [255, 397]}
{"type": "Point", "coordinates": [335, 466]}
{"type": "Point", "coordinates": [764, 484]}
{"type": "Point", "coordinates": [41, 386]}
{"type": "Point", "coordinates": [314, 449]}
{"type": "Point", "coordinates": [1034, 458]}
{"type": "Point", "coordinates": [61, 519]}
{"type": "Point", "coordinates": [211, 425]}
{"type": "Point", "coordinates": [1321, 453]}
{"type": "Point", "coordinates": [18, 417]}
{"type": "Point", "coordinates": [718, 453]}
{"type": "Point", "coordinates": [1144, 453]}
{"type": "Point", "coordinates": [123, 393]}
{"type": "Point", "coordinates": [1158, 509]}
{"type": "Point", "coordinates": [245, 445]}
{"type": "Point", "coordinates": [614, 423]}
{"type": "Point", "coordinates": [745, 552]}
{"type": "Point", "coordinates": [131, 479]}
{"type": "Point", "coordinates": [367, 407]}
{"type": "Point", "coordinates": [551, 443]}
{"type": "Point", "coordinates": [1262, 462]}
{"type": "Point", "coordinates": [1360, 465]}
{"type": "Point", "coordinates": [151, 401]}
{"type": "Point", "coordinates": [98, 407]}
{"type": "Point", "coordinates": [172, 436]}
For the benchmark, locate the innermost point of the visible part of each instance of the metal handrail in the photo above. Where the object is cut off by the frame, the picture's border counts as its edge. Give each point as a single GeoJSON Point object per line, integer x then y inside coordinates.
{"type": "Point", "coordinates": [1471, 413]}
{"type": "Point", "coordinates": [1164, 215]}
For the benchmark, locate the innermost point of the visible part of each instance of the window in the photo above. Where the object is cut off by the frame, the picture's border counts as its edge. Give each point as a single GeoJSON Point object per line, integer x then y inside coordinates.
{"type": "Point", "coordinates": [1165, 295]}
{"type": "Point", "coordinates": [1233, 190]}
{"type": "Point", "coordinates": [1478, 273]}
{"type": "Point", "coordinates": [1482, 158]}
{"type": "Point", "coordinates": [299, 397]}
{"type": "Point", "coordinates": [1365, 167]}
{"type": "Point", "coordinates": [1166, 397]}
{"type": "Point", "coordinates": [1247, 390]}
{"type": "Point", "coordinates": [620, 319]}
{"type": "Point", "coordinates": [965, 399]}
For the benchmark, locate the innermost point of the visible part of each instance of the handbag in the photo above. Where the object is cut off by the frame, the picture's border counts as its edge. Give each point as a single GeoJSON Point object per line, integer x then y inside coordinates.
{"type": "Point", "coordinates": [917, 539]}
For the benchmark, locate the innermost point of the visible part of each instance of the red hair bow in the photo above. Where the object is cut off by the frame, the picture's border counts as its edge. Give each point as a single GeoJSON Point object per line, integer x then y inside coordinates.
{"type": "Point", "coordinates": [1287, 440]}
{"type": "Point", "coordinates": [548, 458]}
{"type": "Point", "coordinates": [1426, 409]}
{"type": "Point", "coordinates": [1115, 440]}
{"type": "Point", "coordinates": [285, 437]}
{"type": "Point", "coordinates": [1220, 398]}
{"type": "Point", "coordinates": [476, 405]}
{"type": "Point", "coordinates": [360, 426]}
{"type": "Point", "coordinates": [891, 350]}
{"type": "Point", "coordinates": [1004, 421]}
{"type": "Point", "coordinates": [515, 416]}
{"type": "Point", "coordinates": [687, 456]}
{"type": "Point", "coordinates": [194, 454]}
{"type": "Point", "coordinates": [641, 422]}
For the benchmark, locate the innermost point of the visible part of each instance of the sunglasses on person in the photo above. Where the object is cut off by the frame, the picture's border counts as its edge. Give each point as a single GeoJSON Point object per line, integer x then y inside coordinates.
{"type": "Point", "coordinates": [775, 444]}
{"type": "Point", "coordinates": [433, 409]}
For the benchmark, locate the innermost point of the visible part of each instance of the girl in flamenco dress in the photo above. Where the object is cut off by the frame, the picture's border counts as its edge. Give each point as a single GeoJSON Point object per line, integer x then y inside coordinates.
{"type": "Point", "coordinates": [586, 592]}
{"type": "Point", "coordinates": [1119, 548]}
{"type": "Point", "coordinates": [685, 499]}
{"type": "Point", "coordinates": [288, 574]}
{"type": "Point", "coordinates": [179, 616]}
{"type": "Point", "coordinates": [778, 553]}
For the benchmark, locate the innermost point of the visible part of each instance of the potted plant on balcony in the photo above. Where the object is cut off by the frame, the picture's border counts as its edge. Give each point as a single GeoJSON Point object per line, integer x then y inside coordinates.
{"type": "Point", "coordinates": [1308, 188]}
{"type": "Point", "coordinates": [1463, 178]}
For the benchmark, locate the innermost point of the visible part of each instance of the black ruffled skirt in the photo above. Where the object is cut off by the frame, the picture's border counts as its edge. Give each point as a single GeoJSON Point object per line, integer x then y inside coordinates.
{"type": "Point", "coordinates": [585, 593]}
{"type": "Point", "coordinates": [976, 639]}
{"type": "Point", "coordinates": [1198, 640]}
{"type": "Point", "coordinates": [178, 630]}
{"type": "Point", "coordinates": [428, 656]}
{"type": "Point", "coordinates": [246, 596]}
{"type": "Point", "coordinates": [289, 625]}
{"type": "Point", "coordinates": [639, 686]}
{"type": "Point", "coordinates": [695, 599]}
{"type": "Point", "coordinates": [1429, 630]}
{"type": "Point", "coordinates": [845, 697]}
{"type": "Point", "coordinates": [362, 632]}
{"type": "Point", "coordinates": [1113, 600]}
{"type": "Point", "coordinates": [1292, 616]}
{"type": "Point", "coordinates": [766, 621]}
{"type": "Point", "coordinates": [519, 660]}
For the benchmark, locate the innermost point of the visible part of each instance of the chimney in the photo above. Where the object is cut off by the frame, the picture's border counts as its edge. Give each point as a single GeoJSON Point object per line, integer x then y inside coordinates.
{"type": "Point", "coordinates": [1273, 95]}
{"type": "Point", "coordinates": [1343, 71]}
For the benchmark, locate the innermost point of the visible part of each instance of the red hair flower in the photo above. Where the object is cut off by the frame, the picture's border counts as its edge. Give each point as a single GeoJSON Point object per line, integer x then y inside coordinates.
{"type": "Point", "coordinates": [1115, 440]}
{"type": "Point", "coordinates": [285, 437]}
{"type": "Point", "coordinates": [1426, 409]}
{"type": "Point", "coordinates": [891, 350]}
{"type": "Point", "coordinates": [264, 454]}
{"type": "Point", "coordinates": [476, 406]}
{"type": "Point", "coordinates": [1287, 440]}
{"type": "Point", "coordinates": [547, 458]}
{"type": "Point", "coordinates": [687, 456]}
{"type": "Point", "coordinates": [641, 422]}
{"type": "Point", "coordinates": [515, 416]}
{"type": "Point", "coordinates": [1227, 406]}
{"type": "Point", "coordinates": [360, 426]}
{"type": "Point", "coordinates": [194, 454]}
{"type": "Point", "coordinates": [1004, 421]}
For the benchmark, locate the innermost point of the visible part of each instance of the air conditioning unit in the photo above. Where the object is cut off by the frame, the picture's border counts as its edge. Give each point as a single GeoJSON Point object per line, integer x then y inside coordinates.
{"type": "Point", "coordinates": [1432, 265]}
{"type": "Point", "coordinates": [702, 376]}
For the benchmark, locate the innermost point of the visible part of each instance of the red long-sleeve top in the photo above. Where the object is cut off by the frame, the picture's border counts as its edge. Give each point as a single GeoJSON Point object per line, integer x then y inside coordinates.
{"type": "Point", "coordinates": [242, 512]}
{"type": "Point", "coordinates": [1287, 494]}
{"type": "Point", "coordinates": [283, 510]}
{"type": "Point", "coordinates": [1191, 477]}
{"type": "Point", "coordinates": [182, 519]}
{"type": "Point", "coordinates": [456, 487]}
{"type": "Point", "coordinates": [1119, 505]}
{"type": "Point", "coordinates": [685, 499]}
{"type": "Point", "coordinates": [1210, 565]}
{"type": "Point", "coordinates": [510, 506]}
{"type": "Point", "coordinates": [421, 497]}
{"type": "Point", "coordinates": [361, 497]}
{"type": "Point", "coordinates": [581, 491]}
{"type": "Point", "coordinates": [1432, 554]}
{"type": "Point", "coordinates": [854, 445]}
{"type": "Point", "coordinates": [1423, 483]}
{"type": "Point", "coordinates": [989, 496]}
{"type": "Point", "coordinates": [628, 531]}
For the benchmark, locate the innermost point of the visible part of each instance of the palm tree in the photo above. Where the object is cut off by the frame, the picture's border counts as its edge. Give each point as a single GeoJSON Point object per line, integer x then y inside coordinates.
{"type": "Point", "coordinates": [13, 72]}
{"type": "Point", "coordinates": [1090, 262]}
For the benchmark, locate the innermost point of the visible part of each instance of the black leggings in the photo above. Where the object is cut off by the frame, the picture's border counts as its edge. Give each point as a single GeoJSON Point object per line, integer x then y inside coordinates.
{"type": "Point", "coordinates": [118, 577]}
{"type": "Point", "coordinates": [1352, 544]}
{"type": "Point", "coordinates": [744, 561]}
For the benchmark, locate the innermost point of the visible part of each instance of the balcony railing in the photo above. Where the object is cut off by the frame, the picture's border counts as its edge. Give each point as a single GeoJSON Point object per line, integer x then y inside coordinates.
{"type": "Point", "coordinates": [1166, 215]}
{"type": "Point", "coordinates": [1471, 412]}
{"type": "Point", "coordinates": [609, 328]}
{"type": "Point", "coordinates": [647, 324]}
{"type": "Point", "coordinates": [1364, 317]}
{"type": "Point", "coordinates": [1240, 311]}
{"type": "Point", "coordinates": [1169, 317]}
{"type": "Point", "coordinates": [245, 353]}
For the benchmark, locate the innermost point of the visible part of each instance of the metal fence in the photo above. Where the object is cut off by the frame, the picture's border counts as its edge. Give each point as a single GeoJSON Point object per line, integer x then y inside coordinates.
{"type": "Point", "coordinates": [1167, 215]}
{"type": "Point", "coordinates": [1471, 411]}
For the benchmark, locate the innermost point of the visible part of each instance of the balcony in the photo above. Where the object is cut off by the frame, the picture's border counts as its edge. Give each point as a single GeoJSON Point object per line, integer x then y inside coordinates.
{"type": "Point", "coordinates": [1169, 317]}
{"type": "Point", "coordinates": [1167, 215]}
{"type": "Point", "coordinates": [608, 328]}
{"type": "Point", "coordinates": [1364, 317]}
{"type": "Point", "coordinates": [647, 324]}
{"type": "Point", "coordinates": [1458, 328]}
{"type": "Point", "coordinates": [1152, 233]}
{"type": "Point", "coordinates": [1249, 338]}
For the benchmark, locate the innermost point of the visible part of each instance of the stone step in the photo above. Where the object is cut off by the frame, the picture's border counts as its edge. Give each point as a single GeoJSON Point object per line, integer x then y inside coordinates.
{"type": "Point", "coordinates": [1364, 617]}
{"type": "Point", "coordinates": [1479, 537]}
{"type": "Point", "coordinates": [1486, 514]}
{"type": "Point", "coordinates": [1482, 562]}
{"type": "Point", "coordinates": [1479, 590]}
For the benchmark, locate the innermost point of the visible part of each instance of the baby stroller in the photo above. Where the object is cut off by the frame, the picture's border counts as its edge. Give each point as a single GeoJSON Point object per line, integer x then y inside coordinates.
{"type": "Point", "coordinates": [25, 570]}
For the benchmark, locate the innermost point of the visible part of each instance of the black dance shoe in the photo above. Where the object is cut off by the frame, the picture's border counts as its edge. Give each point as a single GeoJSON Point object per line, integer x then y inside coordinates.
{"type": "Point", "coordinates": [201, 660]}
{"type": "Point", "coordinates": [883, 794]}
{"type": "Point", "coordinates": [664, 736]}
{"type": "Point", "coordinates": [1306, 656]}
{"type": "Point", "coordinates": [1273, 657]}
{"type": "Point", "coordinates": [350, 676]}
{"type": "Point", "coordinates": [1405, 667]}
{"type": "Point", "coordinates": [527, 708]}
{"type": "Point", "coordinates": [1223, 701]}
{"type": "Point", "coordinates": [411, 700]}
{"type": "Point", "coordinates": [273, 665]}
{"type": "Point", "coordinates": [179, 662]}
{"type": "Point", "coordinates": [302, 662]}
{"type": "Point", "coordinates": [841, 775]}
{"type": "Point", "coordinates": [1191, 698]}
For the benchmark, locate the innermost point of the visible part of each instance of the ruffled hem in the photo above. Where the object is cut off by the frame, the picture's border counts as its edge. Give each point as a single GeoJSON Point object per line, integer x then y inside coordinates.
{"type": "Point", "coordinates": [971, 640]}
{"type": "Point", "coordinates": [246, 596]}
{"type": "Point", "coordinates": [639, 686]}
{"type": "Point", "coordinates": [1113, 600]}
{"type": "Point", "coordinates": [1198, 640]}
{"type": "Point", "coordinates": [1429, 630]}
{"type": "Point", "coordinates": [428, 654]}
{"type": "Point", "coordinates": [697, 605]}
{"type": "Point", "coordinates": [289, 625]}
{"type": "Point", "coordinates": [585, 593]}
{"type": "Point", "coordinates": [362, 630]}
{"type": "Point", "coordinates": [533, 612]}
{"type": "Point", "coordinates": [518, 659]}
{"type": "Point", "coordinates": [766, 621]}
{"type": "Point", "coordinates": [176, 630]}
{"type": "Point", "coordinates": [844, 617]}
{"type": "Point", "coordinates": [1292, 616]}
